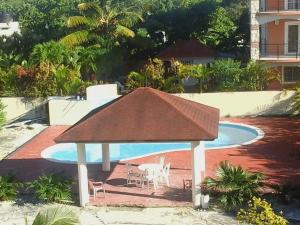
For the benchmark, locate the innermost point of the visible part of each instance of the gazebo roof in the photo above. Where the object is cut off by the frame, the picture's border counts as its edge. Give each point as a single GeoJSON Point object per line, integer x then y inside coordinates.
{"type": "Point", "coordinates": [145, 115]}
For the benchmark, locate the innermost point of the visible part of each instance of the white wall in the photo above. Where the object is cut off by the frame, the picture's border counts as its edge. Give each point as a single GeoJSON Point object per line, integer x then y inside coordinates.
{"type": "Point", "coordinates": [24, 108]}
{"type": "Point", "coordinates": [67, 112]}
{"type": "Point", "coordinates": [246, 103]}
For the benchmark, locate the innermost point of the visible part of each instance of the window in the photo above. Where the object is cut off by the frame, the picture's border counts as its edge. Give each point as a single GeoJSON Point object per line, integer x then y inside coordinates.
{"type": "Point", "coordinates": [291, 74]}
{"type": "Point", "coordinates": [292, 4]}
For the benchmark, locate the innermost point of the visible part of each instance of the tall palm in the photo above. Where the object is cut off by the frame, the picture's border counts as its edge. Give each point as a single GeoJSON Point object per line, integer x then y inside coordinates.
{"type": "Point", "coordinates": [102, 22]}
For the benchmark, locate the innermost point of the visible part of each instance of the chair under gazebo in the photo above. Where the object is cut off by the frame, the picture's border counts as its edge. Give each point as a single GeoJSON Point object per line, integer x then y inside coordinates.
{"type": "Point", "coordinates": [141, 116]}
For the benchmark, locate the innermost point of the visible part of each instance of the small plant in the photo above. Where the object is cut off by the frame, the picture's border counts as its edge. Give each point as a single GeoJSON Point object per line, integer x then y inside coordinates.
{"type": "Point", "coordinates": [234, 185]}
{"type": "Point", "coordinates": [8, 188]}
{"type": "Point", "coordinates": [56, 216]}
{"type": "Point", "coordinates": [260, 212]}
{"type": "Point", "coordinates": [2, 114]}
{"type": "Point", "coordinates": [53, 188]}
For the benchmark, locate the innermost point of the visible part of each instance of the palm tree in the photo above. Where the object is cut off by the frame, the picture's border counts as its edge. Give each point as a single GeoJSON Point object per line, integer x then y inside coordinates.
{"type": "Point", "coordinates": [234, 184]}
{"type": "Point", "coordinates": [57, 216]}
{"type": "Point", "coordinates": [102, 23]}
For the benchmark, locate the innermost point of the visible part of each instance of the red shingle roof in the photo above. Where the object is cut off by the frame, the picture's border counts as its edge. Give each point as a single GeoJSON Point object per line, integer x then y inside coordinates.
{"type": "Point", "coordinates": [187, 49]}
{"type": "Point", "coordinates": [145, 115]}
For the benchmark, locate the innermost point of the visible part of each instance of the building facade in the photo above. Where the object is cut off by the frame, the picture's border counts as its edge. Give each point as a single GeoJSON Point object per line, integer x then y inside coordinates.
{"type": "Point", "coordinates": [275, 38]}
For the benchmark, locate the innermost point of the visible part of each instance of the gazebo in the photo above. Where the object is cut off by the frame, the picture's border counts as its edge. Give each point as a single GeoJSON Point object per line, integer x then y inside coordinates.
{"type": "Point", "coordinates": [144, 115]}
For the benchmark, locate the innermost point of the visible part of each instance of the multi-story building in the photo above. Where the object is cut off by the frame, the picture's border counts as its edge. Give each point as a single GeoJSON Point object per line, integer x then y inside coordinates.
{"type": "Point", "coordinates": [275, 37]}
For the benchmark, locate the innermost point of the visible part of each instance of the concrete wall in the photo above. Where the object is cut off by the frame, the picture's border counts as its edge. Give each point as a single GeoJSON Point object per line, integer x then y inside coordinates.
{"type": "Point", "coordinates": [246, 103]}
{"type": "Point", "coordinates": [67, 112]}
{"type": "Point", "coordinates": [23, 108]}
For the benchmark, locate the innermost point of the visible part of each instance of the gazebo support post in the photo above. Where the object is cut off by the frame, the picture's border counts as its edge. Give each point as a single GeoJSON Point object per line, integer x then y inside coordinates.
{"type": "Point", "coordinates": [198, 167]}
{"type": "Point", "coordinates": [82, 175]}
{"type": "Point", "coordinates": [105, 157]}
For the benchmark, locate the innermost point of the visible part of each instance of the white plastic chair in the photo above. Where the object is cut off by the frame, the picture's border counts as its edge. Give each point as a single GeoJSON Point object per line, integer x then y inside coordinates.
{"type": "Point", "coordinates": [132, 177]}
{"type": "Point", "coordinates": [150, 177]}
{"type": "Point", "coordinates": [165, 174]}
{"type": "Point", "coordinates": [162, 161]}
{"type": "Point", "coordinates": [95, 187]}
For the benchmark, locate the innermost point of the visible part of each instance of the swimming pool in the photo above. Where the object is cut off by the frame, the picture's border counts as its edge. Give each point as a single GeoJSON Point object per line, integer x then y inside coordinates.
{"type": "Point", "coordinates": [230, 135]}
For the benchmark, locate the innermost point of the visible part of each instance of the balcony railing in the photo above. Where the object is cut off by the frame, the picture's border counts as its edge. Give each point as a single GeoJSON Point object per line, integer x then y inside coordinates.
{"type": "Point", "coordinates": [279, 5]}
{"type": "Point", "coordinates": [280, 51]}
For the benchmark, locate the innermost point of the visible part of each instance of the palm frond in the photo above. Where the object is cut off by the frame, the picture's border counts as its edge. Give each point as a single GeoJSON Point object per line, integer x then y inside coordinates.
{"type": "Point", "coordinates": [124, 31]}
{"type": "Point", "coordinates": [76, 21]}
{"type": "Point", "coordinates": [89, 5]}
{"type": "Point", "coordinates": [75, 38]}
{"type": "Point", "coordinates": [57, 216]}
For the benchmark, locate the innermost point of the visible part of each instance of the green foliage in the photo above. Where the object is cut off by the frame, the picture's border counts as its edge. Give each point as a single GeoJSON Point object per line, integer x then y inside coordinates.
{"type": "Point", "coordinates": [57, 216]}
{"type": "Point", "coordinates": [53, 188]}
{"type": "Point", "coordinates": [260, 212]}
{"type": "Point", "coordinates": [225, 75]}
{"type": "Point", "coordinates": [102, 23]}
{"type": "Point", "coordinates": [2, 114]}
{"type": "Point", "coordinates": [255, 76]}
{"type": "Point", "coordinates": [234, 185]}
{"type": "Point", "coordinates": [221, 29]}
{"type": "Point", "coordinates": [53, 52]}
{"type": "Point", "coordinates": [153, 74]}
{"type": "Point", "coordinates": [45, 20]}
{"type": "Point", "coordinates": [8, 188]}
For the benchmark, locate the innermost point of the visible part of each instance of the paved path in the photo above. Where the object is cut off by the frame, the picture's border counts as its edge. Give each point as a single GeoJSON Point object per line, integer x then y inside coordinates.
{"type": "Point", "coordinates": [11, 214]}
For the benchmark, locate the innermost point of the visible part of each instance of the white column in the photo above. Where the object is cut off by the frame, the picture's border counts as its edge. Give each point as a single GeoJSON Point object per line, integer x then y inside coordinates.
{"type": "Point", "coordinates": [82, 175]}
{"type": "Point", "coordinates": [198, 168]}
{"type": "Point", "coordinates": [254, 30]}
{"type": "Point", "coordinates": [105, 157]}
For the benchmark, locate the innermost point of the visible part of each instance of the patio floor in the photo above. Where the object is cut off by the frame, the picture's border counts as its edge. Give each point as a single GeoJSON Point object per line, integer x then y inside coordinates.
{"type": "Point", "coordinates": [277, 155]}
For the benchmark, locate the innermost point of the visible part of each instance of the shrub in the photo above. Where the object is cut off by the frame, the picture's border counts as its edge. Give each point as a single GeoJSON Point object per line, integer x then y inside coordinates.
{"type": "Point", "coordinates": [2, 114]}
{"type": "Point", "coordinates": [260, 212]}
{"type": "Point", "coordinates": [255, 76]}
{"type": "Point", "coordinates": [8, 188]}
{"type": "Point", "coordinates": [154, 75]}
{"type": "Point", "coordinates": [52, 188]}
{"type": "Point", "coordinates": [234, 185]}
{"type": "Point", "coordinates": [225, 75]}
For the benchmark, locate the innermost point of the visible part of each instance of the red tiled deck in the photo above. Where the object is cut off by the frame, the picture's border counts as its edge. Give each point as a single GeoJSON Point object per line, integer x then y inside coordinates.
{"type": "Point", "coordinates": [277, 155]}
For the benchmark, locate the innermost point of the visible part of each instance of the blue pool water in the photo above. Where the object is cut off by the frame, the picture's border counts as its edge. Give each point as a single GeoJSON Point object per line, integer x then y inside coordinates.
{"type": "Point", "coordinates": [229, 135]}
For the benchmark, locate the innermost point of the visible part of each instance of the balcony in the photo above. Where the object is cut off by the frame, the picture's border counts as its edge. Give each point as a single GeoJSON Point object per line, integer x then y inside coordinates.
{"type": "Point", "coordinates": [271, 6]}
{"type": "Point", "coordinates": [280, 52]}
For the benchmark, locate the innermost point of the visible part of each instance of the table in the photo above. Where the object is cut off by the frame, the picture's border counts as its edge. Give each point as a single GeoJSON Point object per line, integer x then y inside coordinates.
{"type": "Point", "coordinates": [149, 166]}
{"type": "Point", "coordinates": [152, 173]}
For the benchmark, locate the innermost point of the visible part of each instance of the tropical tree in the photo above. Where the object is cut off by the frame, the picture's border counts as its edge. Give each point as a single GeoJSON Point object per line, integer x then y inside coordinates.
{"type": "Point", "coordinates": [103, 23]}
{"type": "Point", "coordinates": [60, 215]}
{"type": "Point", "coordinates": [234, 184]}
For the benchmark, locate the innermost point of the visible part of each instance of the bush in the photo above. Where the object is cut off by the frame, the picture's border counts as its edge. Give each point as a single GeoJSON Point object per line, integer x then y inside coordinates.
{"type": "Point", "coordinates": [225, 75]}
{"type": "Point", "coordinates": [260, 212]}
{"type": "Point", "coordinates": [154, 75]}
{"type": "Point", "coordinates": [255, 76]}
{"type": "Point", "coordinates": [2, 114]}
{"type": "Point", "coordinates": [53, 188]}
{"type": "Point", "coordinates": [234, 185]}
{"type": "Point", "coordinates": [8, 188]}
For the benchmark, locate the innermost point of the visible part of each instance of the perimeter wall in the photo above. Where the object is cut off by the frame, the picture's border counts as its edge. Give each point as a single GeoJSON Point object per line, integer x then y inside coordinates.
{"type": "Point", "coordinates": [67, 112]}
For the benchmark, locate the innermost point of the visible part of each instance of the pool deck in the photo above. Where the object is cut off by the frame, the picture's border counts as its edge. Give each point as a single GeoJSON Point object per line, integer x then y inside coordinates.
{"type": "Point", "coordinates": [277, 155]}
